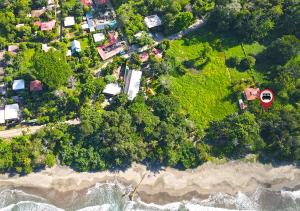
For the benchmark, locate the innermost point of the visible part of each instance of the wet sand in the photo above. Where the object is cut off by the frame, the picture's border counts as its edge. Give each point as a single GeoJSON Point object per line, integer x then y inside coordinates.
{"type": "Point", "coordinates": [61, 185]}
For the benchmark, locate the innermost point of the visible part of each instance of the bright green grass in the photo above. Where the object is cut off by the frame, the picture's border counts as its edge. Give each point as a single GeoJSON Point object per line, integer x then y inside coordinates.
{"type": "Point", "coordinates": [206, 94]}
{"type": "Point", "coordinates": [84, 43]}
{"type": "Point", "coordinates": [70, 3]}
{"type": "Point", "coordinates": [28, 54]}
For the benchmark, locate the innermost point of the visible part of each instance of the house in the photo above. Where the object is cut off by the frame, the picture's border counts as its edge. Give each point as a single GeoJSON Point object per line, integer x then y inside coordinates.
{"type": "Point", "coordinates": [51, 2]}
{"type": "Point", "coordinates": [13, 49]}
{"type": "Point", "coordinates": [85, 26]}
{"type": "Point", "coordinates": [144, 57]}
{"type": "Point", "coordinates": [113, 24]}
{"type": "Point", "coordinates": [11, 112]}
{"type": "Point", "coordinates": [47, 26]}
{"type": "Point", "coordinates": [69, 21]}
{"type": "Point", "coordinates": [251, 93]}
{"type": "Point", "coordinates": [45, 47]}
{"type": "Point", "coordinates": [98, 37]}
{"type": "Point", "coordinates": [2, 116]}
{"type": "Point", "coordinates": [75, 48]}
{"type": "Point", "coordinates": [102, 2]}
{"type": "Point", "coordinates": [87, 2]}
{"type": "Point", "coordinates": [112, 89]}
{"type": "Point", "coordinates": [109, 51]}
{"type": "Point", "coordinates": [152, 21]}
{"type": "Point", "coordinates": [157, 53]}
{"type": "Point", "coordinates": [36, 86]}
{"type": "Point", "coordinates": [132, 83]}
{"type": "Point", "coordinates": [18, 85]}
{"type": "Point", "coordinates": [113, 37]}
{"type": "Point", "coordinates": [37, 13]}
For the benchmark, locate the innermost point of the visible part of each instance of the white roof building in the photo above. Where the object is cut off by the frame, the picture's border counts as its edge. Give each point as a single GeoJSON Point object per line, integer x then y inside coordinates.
{"type": "Point", "coordinates": [75, 46]}
{"type": "Point", "coordinates": [69, 21]}
{"type": "Point", "coordinates": [18, 85]}
{"type": "Point", "coordinates": [85, 26]}
{"type": "Point", "coordinates": [11, 112]}
{"type": "Point", "coordinates": [112, 89]}
{"type": "Point", "coordinates": [2, 116]}
{"type": "Point", "coordinates": [152, 21]}
{"type": "Point", "coordinates": [99, 37]}
{"type": "Point", "coordinates": [132, 83]}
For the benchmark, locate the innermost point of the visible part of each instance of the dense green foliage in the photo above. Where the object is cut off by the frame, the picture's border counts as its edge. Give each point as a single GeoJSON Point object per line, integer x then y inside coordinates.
{"type": "Point", "coordinates": [22, 155]}
{"type": "Point", "coordinates": [51, 68]}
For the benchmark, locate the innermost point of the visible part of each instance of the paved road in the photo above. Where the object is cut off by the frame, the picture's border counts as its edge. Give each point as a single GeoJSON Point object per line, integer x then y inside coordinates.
{"type": "Point", "coordinates": [7, 134]}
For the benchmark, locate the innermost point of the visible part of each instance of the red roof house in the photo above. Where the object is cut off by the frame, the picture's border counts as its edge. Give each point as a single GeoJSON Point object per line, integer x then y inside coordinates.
{"type": "Point", "coordinates": [47, 26]}
{"type": "Point", "coordinates": [144, 57]}
{"type": "Point", "coordinates": [113, 37]}
{"type": "Point", "coordinates": [157, 53]}
{"type": "Point", "coordinates": [102, 1]}
{"type": "Point", "coordinates": [251, 93]}
{"type": "Point", "coordinates": [87, 2]}
{"type": "Point", "coordinates": [36, 86]}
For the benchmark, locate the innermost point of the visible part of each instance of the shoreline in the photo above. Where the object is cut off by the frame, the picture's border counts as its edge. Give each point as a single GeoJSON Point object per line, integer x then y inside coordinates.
{"type": "Point", "coordinates": [60, 185]}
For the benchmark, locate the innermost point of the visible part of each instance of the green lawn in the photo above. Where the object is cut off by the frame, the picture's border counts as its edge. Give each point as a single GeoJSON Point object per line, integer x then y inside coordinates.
{"type": "Point", "coordinates": [205, 94]}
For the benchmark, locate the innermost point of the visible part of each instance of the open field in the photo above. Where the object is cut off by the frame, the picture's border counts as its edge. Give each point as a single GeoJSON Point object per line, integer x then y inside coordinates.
{"type": "Point", "coordinates": [205, 93]}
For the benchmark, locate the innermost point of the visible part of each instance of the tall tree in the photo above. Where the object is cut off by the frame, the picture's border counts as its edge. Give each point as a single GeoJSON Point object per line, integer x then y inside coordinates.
{"type": "Point", "coordinates": [51, 68]}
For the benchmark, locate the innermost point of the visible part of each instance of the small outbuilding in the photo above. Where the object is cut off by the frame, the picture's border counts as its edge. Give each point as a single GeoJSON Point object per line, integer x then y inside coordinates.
{"type": "Point", "coordinates": [69, 21]}
{"type": "Point", "coordinates": [18, 85]}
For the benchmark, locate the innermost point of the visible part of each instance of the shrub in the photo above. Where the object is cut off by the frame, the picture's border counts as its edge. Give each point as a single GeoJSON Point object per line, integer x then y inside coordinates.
{"type": "Point", "coordinates": [233, 62]}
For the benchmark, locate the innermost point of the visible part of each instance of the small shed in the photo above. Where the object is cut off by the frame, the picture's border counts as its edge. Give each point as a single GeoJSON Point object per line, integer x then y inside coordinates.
{"type": "Point", "coordinates": [36, 86]}
{"type": "Point", "coordinates": [18, 85]}
{"type": "Point", "coordinates": [69, 21]}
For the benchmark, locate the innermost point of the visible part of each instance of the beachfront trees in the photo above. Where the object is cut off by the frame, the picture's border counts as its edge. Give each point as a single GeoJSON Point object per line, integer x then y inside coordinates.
{"type": "Point", "coordinates": [51, 68]}
{"type": "Point", "coordinates": [235, 136]}
{"type": "Point", "coordinates": [281, 131]}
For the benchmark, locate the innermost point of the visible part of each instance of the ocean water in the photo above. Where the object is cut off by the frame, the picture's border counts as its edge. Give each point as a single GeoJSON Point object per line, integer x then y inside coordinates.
{"type": "Point", "coordinates": [110, 197]}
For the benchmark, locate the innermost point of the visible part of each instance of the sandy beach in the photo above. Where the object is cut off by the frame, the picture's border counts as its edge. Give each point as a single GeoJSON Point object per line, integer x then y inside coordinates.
{"type": "Point", "coordinates": [60, 184]}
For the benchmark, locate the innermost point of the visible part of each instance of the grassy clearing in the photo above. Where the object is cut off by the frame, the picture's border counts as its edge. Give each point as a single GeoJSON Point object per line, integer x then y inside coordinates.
{"type": "Point", "coordinates": [206, 94]}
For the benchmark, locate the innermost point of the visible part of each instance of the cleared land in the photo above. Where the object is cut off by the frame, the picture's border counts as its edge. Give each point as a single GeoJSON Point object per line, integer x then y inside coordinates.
{"type": "Point", "coordinates": [205, 93]}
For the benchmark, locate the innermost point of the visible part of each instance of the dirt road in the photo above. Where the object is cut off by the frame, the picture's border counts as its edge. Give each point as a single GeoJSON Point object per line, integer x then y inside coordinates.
{"type": "Point", "coordinates": [7, 134]}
